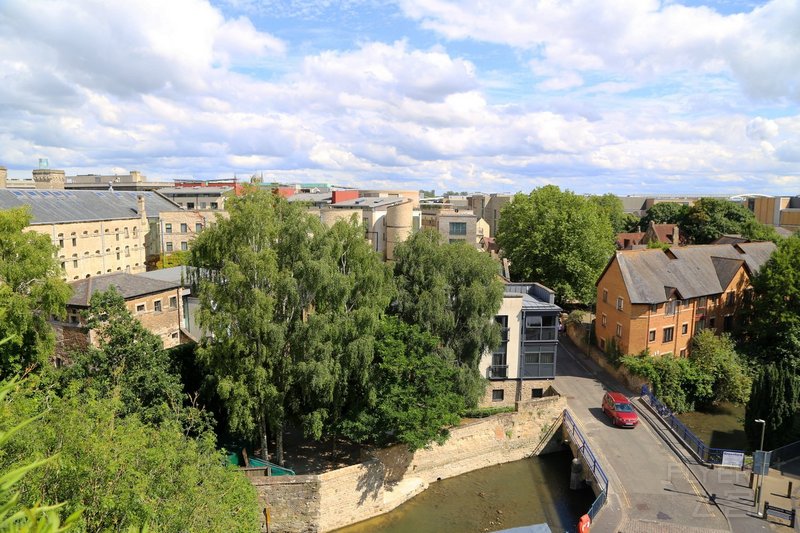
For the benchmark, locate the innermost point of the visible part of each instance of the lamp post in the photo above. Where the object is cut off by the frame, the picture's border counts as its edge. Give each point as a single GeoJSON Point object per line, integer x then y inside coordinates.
{"type": "Point", "coordinates": [760, 475]}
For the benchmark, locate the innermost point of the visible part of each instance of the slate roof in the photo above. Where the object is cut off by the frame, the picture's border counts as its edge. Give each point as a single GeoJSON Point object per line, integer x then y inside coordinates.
{"type": "Point", "coordinates": [194, 191]}
{"type": "Point", "coordinates": [529, 292]}
{"type": "Point", "coordinates": [51, 207]}
{"type": "Point", "coordinates": [313, 197]}
{"type": "Point", "coordinates": [692, 271]}
{"type": "Point", "coordinates": [372, 202]}
{"type": "Point", "coordinates": [129, 285]}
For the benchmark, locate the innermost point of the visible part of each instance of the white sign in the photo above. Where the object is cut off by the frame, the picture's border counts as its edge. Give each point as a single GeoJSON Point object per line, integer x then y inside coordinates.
{"type": "Point", "coordinates": [733, 459]}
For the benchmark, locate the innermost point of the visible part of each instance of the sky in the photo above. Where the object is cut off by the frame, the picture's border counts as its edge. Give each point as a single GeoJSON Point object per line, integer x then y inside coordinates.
{"type": "Point", "coordinates": [625, 96]}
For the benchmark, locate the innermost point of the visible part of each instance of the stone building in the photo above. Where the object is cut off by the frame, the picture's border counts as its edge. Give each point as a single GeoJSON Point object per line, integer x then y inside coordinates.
{"type": "Point", "coordinates": [155, 303]}
{"type": "Point", "coordinates": [656, 300]}
{"type": "Point", "coordinates": [776, 211]}
{"type": "Point", "coordinates": [520, 367]}
{"type": "Point", "coordinates": [200, 197]}
{"type": "Point", "coordinates": [455, 225]}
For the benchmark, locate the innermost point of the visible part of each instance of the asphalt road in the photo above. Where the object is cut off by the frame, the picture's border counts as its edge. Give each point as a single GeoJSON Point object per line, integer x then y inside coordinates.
{"type": "Point", "coordinates": [651, 489]}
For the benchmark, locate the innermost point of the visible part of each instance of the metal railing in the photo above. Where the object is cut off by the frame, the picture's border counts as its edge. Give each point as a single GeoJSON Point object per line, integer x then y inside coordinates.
{"type": "Point", "coordinates": [784, 454]}
{"type": "Point", "coordinates": [498, 372]}
{"type": "Point", "coordinates": [706, 453]}
{"type": "Point", "coordinates": [591, 461]}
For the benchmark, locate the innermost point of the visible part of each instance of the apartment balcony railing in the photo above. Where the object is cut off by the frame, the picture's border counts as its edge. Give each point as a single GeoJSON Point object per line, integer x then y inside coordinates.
{"type": "Point", "coordinates": [498, 372]}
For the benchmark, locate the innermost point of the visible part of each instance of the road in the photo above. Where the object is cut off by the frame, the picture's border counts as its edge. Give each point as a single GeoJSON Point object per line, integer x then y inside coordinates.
{"type": "Point", "coordinates": [651, 488]}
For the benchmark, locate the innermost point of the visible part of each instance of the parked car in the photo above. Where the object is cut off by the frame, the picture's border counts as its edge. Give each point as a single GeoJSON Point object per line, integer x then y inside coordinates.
{"type": "Point", "coordinates": [620, 410]}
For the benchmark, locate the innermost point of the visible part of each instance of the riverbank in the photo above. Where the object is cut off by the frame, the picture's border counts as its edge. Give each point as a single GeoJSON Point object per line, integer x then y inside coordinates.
{"type": "Point", "coordinates": [392, 476]}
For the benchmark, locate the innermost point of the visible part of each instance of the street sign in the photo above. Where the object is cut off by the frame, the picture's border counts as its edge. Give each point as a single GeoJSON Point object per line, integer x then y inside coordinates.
{"type": "Point", "coordinates": [733, 459]}
{"type": "Point", "coordinates": [761, 462]}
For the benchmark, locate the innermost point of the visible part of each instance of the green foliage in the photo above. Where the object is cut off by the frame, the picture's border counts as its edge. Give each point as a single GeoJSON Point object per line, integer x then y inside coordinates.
{"type": "Point", "coordinates": [174, 259]}
{"type": "Point", "coordinates": [772, 327]}
{"type": "Point", "coordinates": [292, 308]}
{"type": "Point", "coordinates": [713, 373]}
{"type": "Point", "coordinates": [612, 208]}
{"type": "Point", "coordinates": [557, 238]}
{"type": "Point", "coordinates": [614, 353]}
{"type": "Point", "coordinates": [774, 399]}
{"type": "Point", "coordinates": [453, 292]}
{"type": "Point", "coordinates": [664, 213]}
{"type": "Point", "coordinates": [716, 356]}
{"type": "Point", "coordinates": [575, 318]}
{"type": "Point", "coordinates": [13, 516]}
{"type": "Point", "coordinates": [483, 412]}
{"type": "Point", "coordinates": [31, 290]}
{"type": "Point", "coordinates": [414, 398]}
{"type": "Point", "coordinates": [121, 472]}
{"type": "Point", "coordinates": [710, 218]}
{"type": "Point", "coordinates": [658, 244]}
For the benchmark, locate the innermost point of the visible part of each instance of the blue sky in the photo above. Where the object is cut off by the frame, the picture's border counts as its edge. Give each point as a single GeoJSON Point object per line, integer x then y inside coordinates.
{"type": "Point", "coordinates": [623, 96]}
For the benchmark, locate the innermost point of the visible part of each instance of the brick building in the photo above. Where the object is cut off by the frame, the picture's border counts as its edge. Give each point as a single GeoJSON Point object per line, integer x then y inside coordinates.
{"type": "Point", "coordinates": [155, 303]}
{"type": "Point", "coordinates": [656, 300]}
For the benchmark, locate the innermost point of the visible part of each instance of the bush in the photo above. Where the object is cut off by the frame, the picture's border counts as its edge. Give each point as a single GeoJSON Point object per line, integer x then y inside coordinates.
{"type": "Point", "coordinates": [483, 412]}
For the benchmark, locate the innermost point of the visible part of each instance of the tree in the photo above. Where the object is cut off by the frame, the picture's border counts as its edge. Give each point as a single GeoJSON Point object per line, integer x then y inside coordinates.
{"type": "Point", "coordinates": [291, 308]}
{"type": "Point", "coordinates": [716, 357]}
{"type": "Point", "coordinates": [664, 213]}
{"type": "Point", "coordinates": [414, 398]}
{"type": "Point", "coordinates": [122, 472]}
{"type": "Point", "coordinates": [612, 208]}
{"type": "Point", "coordinates": [773, 399]}
{"type": "Point", "coordinates": [174, 259]}
{"type": "Point", "coordinates": [710, 218]}
{"type": "Point", "coordinates": [451, 291]}
{"type": "Point", "coordinates": [31, 291]}
{"type": "Point", "coordinates": [557, 238]}
{"type": "Point", "coordinates": [772, 325]}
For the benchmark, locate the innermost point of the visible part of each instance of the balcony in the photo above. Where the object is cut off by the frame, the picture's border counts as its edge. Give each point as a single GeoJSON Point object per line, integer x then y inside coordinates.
{"type": "Point", "coordinates": [498, 372]}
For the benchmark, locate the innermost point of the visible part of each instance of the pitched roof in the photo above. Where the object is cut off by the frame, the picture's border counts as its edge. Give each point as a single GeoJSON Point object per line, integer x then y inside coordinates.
{"type": "Point", "coordinates": [51, 207]}
{"type": "Point", "coordinates": [665, 232]}
{"type": "Point", "coordinates": [632, 238]}
{"type": "Point", "coordinates": [692, 271]}
{"type": "Point", "coordinates": [129, 285]}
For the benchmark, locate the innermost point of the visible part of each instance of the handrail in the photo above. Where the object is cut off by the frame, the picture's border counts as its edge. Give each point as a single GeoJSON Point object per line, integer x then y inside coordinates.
{"type": "Point", "coordinates": [588, 456]}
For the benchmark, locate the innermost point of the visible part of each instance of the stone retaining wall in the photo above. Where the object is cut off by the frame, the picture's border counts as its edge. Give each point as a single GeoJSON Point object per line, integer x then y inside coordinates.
{"type": "Point", "coordinates": [318, 503]}
{"type": "Point", "coordinates": [632, 382]}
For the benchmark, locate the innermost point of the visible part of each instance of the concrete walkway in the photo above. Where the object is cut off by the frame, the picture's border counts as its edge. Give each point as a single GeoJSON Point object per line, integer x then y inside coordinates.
{"type": "Point", "coordinates": [656, 484]}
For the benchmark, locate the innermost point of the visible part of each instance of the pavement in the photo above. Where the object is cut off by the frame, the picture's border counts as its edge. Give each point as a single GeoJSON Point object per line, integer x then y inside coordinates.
{"type": "Point", "coordinates": [656, 484]}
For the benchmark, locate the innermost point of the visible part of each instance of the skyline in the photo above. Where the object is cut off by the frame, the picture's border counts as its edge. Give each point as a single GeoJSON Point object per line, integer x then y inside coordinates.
{"type": "Point", "coordinates": [627, 96]}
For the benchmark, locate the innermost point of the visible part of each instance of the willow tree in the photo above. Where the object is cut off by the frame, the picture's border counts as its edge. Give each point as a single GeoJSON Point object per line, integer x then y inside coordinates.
{"type": "Point", "coordinates": [289, 307]}
{"type": "Point", "coordinates": [453, 292]}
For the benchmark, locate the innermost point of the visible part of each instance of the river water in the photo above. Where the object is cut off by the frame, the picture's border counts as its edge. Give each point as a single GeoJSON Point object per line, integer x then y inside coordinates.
{"type": "Point", "coordinates": [525, 492]}
{"type": "Point", "coordinates": [720, 426]}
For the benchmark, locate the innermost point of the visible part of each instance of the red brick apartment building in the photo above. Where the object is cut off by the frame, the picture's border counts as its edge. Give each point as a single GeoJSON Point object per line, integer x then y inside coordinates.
{"type": "Point", "coordinates": [656, 299]}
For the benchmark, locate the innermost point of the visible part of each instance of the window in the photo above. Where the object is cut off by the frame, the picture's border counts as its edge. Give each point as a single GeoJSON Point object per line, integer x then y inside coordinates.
{"type": "Point", "coordinates": [603, 344]}
{"type": "Point", "coordinates": [684, 328]}
{"type": "Point", "coordinates": [157, 306]}
{"type": "Point", "coordinates": [731, 298]}
{"type": "Point", "coordinates": [140, 308]}
{"type": "Point", "coordinates": [669, 333]}
{"type": "Point", "coordinates": [174, 335]}
{"type": "Point", "coordinates": [604, 320]}
{"type": "Point", "coordinates": [63, 265]}
{"type": "Point", "coordinates": [499, 368]}
{"type": "Point", "coordinates": [189, 205]}
{"type": "Point", "coordinates": [654, 308]}
{"type": "Point", "coordinates": [458, 228]}
{"type": "Point", "coordinates": [619, 330]}
{"type": "Point", "coordinates": [126, 232]}
{"type": "Point", "coordinates": [198, 228]}
{"type": "Point", "coordinates": [685, 303]}
{"type": "Point", "coordinates": [540, 328]}
{"type": "Point", "coordinates": [61, 243]}
{"type": "Point", "coordinates": [652, 336]}
{"type": "Point", "coordinates": [202, 205]}
{"type": "Point", "coordinates": [184, 245]}
{"type": "Point", "coordinates": [74, 241]}
{"type": "Point", "coordinates": [127, 251]}
{"type": "Point", "coordinates": [168, 228]}
{"type": "Point", "coordinates": [213, 205]}
{"type": "Point", "coordinates": [605, 296]}
{"type": "Point", "coordinates": [712, 322]}
{"type": "Point", "coordinates": [539, 361]}
{"type": "Point", "coordinates": [169, 246]}
{"type": "Point", "coordinates": [497, 395]}
{"type": "Point", "coordinates": [701, 302]}
{"type": "Point", "coordinates": [117, 256]}
{"type": "Point", "coordinates": [619, 303]}
{"type": "Point", "coordinates": [727, 323]}
{"type": "Point", "coordinates": [537, 393]}
{"type": "Point", "coordinates": [74, 263]}
{"type": "Point", "coordinates": [669, 308]}
{"type": "Point", "coordinates": [173, 302]}
{"type": "Point", "coordinates": [683, 352]}
{"type": "Point", "coordinates": [117, 237]}
{"type": "Point", "coordinates": [184, 228]}
{"type": "Point", "coordinates": [135, 231]}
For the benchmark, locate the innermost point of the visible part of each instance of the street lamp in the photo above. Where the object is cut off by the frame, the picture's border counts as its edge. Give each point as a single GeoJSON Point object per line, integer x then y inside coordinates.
{"type": "Point", "coordinates": [760, 475]}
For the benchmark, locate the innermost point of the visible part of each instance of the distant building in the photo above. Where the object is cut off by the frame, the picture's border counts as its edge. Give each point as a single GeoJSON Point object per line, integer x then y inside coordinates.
{"type": "Point", "coordinates": [492, 208]}
{"type": "Point", "coordinates": [656, 300]}
{"type": "Point", "coordinates": [520, 366]}
{"type": "Point", "coordinates": [777, 211]}
{"type": "Point", "coordinates": [661, 233]}
{"type": "Point", "coordinates": [156, 304]}
{"type": "Point", "coordinates": [454, 224]}
{"type": "Point", "coordinates": [203, 198]}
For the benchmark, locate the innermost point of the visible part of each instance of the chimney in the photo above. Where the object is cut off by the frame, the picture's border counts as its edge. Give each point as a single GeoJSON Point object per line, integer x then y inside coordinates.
{"type": "Point", "coordinates": [136, 176]}
{"type": "Point", "coordinates": [676, 238]}
{"type": "Point", "coordinates": [140, 208]}
{"type": "Point", "coordinates": [48, 178]}
{"type": "Point", "coordinates": [3, 177]}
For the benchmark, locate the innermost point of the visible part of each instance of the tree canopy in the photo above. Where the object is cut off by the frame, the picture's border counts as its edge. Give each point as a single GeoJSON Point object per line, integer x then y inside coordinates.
{"type": "Point", "coordinates": [710, 218]}
{"type": "Point", "coordinates": [664, 213]}
{"type": "Point", "coordinates": [773, 399]}
{"type": "Point", "coordinates": [453, 292]}
{"type": "Point", "coordinates": [611, 206]}
{"type": "Point", "coordinates": [291, 308]}
{"type": "Point", "coordinates": [557, 238]}
{"type": "Point", "coordinates": [31, 291]}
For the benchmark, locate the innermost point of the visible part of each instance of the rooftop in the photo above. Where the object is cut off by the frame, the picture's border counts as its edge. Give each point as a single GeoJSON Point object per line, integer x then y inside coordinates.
{"type": "Point", "coordinates": [371, 202]}
{"type": "Point", "coordinates": [129, 285]}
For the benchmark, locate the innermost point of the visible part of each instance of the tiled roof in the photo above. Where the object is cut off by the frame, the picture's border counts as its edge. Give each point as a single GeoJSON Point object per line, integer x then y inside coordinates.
{"type": "Point", "coordinates": [129, 285]}
{"type": "Point", "coordinates": [692, 271]}
{"type": "Point", "coordinates": [665, 232]}
{"type": "Point", "coordinates": [50, 207]}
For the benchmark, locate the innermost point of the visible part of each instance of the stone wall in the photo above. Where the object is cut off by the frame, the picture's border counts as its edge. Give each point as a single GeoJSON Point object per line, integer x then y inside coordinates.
{"type": "Point", "coordinates": [394, 475]}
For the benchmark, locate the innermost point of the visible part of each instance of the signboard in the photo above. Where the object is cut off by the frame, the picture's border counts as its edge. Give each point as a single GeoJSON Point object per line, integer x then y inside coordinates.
{"type": "Point", "coordinates": [761, 462]}
{"type": "Point", "coordinates": [733, 459]}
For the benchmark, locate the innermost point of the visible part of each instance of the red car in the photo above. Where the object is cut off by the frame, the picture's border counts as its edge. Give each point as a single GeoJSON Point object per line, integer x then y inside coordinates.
{"type": "Point", "coordinates": [620, 410]}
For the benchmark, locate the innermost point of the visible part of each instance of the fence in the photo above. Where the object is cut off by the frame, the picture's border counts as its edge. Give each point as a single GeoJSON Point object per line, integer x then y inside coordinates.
{"type": "Point", "coordinates": [706, 454]}
{"type": "Point", "coordinates": [784, 454]}
{"type": "Point", "coordinates": [591, 461]}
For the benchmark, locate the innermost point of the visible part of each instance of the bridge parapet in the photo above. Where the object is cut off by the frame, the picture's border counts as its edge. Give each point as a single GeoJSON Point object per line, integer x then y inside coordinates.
{"type": "Point", "coordinates": [593, 471]}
